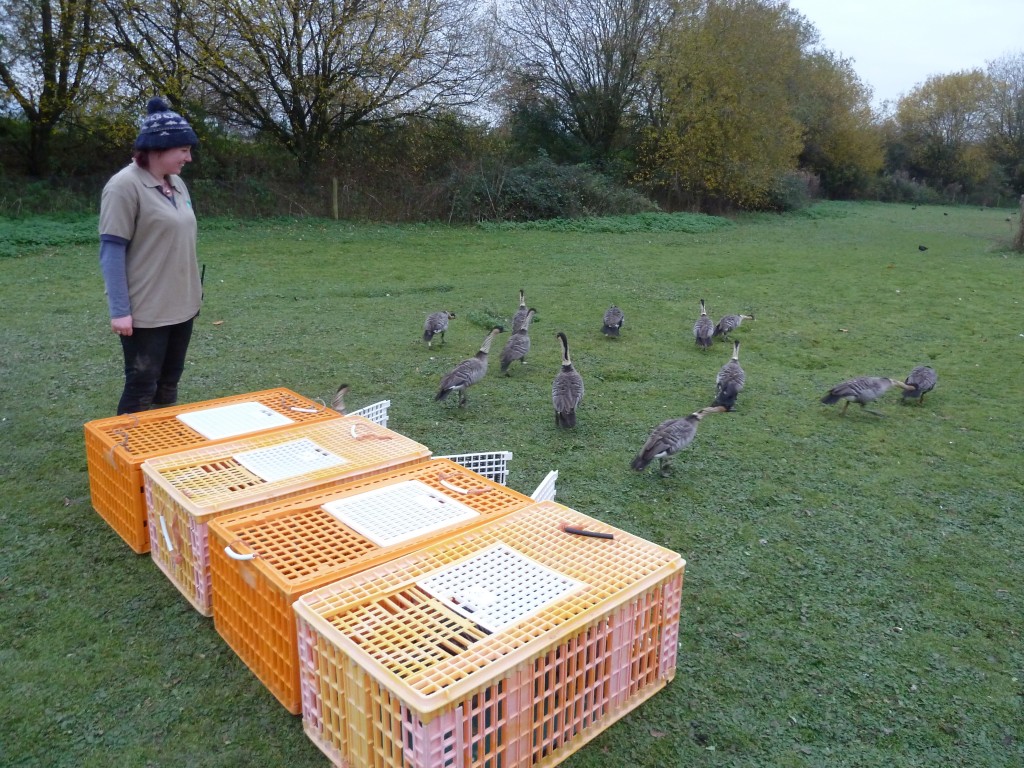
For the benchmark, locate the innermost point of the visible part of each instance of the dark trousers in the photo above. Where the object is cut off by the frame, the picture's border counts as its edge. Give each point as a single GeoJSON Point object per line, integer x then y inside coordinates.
{"type": "Point", "coordinates": [154, 359]}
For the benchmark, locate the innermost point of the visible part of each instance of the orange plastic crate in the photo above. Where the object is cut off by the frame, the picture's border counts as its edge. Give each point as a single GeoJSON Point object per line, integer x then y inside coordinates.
{"type": "Point", "coordinates": [185, 491]}
{"type": "Point", "coordinates": [512, 644]}
{"type": "Point", "coordinates": [115, 448]}
{"type": "Point", "coordinates": [296, 545]}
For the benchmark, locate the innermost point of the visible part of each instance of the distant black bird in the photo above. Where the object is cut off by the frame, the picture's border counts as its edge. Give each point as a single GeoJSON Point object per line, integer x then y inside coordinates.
{"type": "Point", "coordinates": [922, 380]}
{"type": "Point", "coordinates": [704, 328]}
{"type": "Point", "coordinates": [669, 438]}
{"type": "Point", "coordinates": [519, 318]}
{"type": "Point", "coordinates": [468, 372]}
{"type": "Point", "coordinates": [518, 345]}
{"type": "Point", "coordinates": [613, 320]}
{"type": "Point", "coordinates": [922, 247]}
{"type": "Point", "coordinates": [728, 324]}
{"type": "Point", "coordinates": [436, 323]}
{"type": "Point", "coordinates": [730, 380]}
{"type": "Point", "coordinates": [863, 390]}
{"type": "Point", "coordinates": [567, 388]}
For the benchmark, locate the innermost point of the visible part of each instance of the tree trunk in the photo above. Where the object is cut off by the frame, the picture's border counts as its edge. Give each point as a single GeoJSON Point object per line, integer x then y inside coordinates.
{"type": "Point", "coordinates": [39, 149]}
{"type": "Point", "coordinates": [1018, 241]}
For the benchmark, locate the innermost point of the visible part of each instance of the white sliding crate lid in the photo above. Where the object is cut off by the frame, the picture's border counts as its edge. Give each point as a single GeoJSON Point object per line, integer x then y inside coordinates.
{"type": "Point", "coordinates": [399, 512]}
{"type": "Point", "coordinates": [233, 420]}
{"type": "Point", "coordinates": [290, 459]}
{"type": "Point", "coordinates": [498, 587]}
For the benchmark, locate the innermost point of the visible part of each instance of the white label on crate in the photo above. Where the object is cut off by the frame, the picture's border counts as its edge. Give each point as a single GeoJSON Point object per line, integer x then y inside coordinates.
{"type": "Point", "coordinates": [498, 587]}
{"type": "Point", "coordinates": [233, 420]}
{"type": "Point", "coordinates": [286, 460]}
{"type": "Point", "coordinates": [399, 512]}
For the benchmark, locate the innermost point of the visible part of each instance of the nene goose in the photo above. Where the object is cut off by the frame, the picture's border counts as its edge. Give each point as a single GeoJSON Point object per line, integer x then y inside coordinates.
{"type": "Point", "coordinates": [669, 438]}
{"type": "Point", "coordinates": [704, 328]}
{"type": "Point", "coordinates": [436, 323]}
{"type": "Point", "coordinates": [567, 388]}
{"type": "Point", "coordinates": [519, 318]}
{"type": "Point", "coordinates": [338, 401]}
{"type": "Point", "coordinates": [518, 345]}
{"type": "Point", "coordinates": [613, 320]}
{"type": "Point", "coordinates": [728, 324]}
{"type": "Point", "coordinates": [922, 381]}
{"type": "Point", "coordinates": [468, 372]}
{"type": "Point", "coordinates": [730, 380]}
{"type": "Point", "coordinates": [863, 390]}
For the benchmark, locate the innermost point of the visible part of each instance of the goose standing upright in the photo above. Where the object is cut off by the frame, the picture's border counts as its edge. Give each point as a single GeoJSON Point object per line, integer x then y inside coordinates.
{"type": "Point", "coordinates": [728, 324]}
{"type": "Point", "coordinates": [863, 390]}
{"type": "Point", "coordinates": [468, 372]}
{"type": "Point", "coordinates": [704, 328]}
{"type": "Point", "coordinates": [567, 388]}
{"type": "Point", "coordinates": [669, 438]}
{"type": "Point", "coordinates": [519, 318]}
{"type": "Point", "coordinates": [730, 380]}
{"type": "Point", "coordinates": [436, 323]}
{"type": "Point", "coordinates": [922, 380]}
{"type": "Point", "coordinates": [518, 345]}
{"type": "Point", "coordinates": [613, 320]}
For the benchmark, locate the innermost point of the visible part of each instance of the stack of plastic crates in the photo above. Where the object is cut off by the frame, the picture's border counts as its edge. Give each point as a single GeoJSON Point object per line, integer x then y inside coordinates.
{"type": "Point", "coordinates": [263, 559]}
{"type": "Point", "coordinates": [116, 447]}
{"type": "Point", "coordinates": [185, 491]}
{"type": "Point", "coordinates": [512, 644]}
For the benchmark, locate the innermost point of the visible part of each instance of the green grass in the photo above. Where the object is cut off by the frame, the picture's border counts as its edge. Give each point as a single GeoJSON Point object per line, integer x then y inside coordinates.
{"type": "Point", "coordinates": [854, 588]}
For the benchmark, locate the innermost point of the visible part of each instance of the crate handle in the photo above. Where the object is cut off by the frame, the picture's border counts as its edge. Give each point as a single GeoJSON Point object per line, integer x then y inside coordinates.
{"type": "Point", "coordinates": [167, 536]}
{"type": "Point", "coordinates": [452, 486]}
{"type": "Point", "coordinates": [237, 555]}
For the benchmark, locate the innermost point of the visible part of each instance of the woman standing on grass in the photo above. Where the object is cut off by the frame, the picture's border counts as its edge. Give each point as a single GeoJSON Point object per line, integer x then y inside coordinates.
{"type": "Point", "coordinates": [148, 258]}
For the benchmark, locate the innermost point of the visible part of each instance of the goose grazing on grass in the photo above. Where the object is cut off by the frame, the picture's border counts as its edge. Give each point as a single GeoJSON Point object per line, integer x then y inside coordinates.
{"type": "Point", "coordinates": [519, 318]}
{"type": "Point", "coordinates": [730, 380]}
{"type": "Point", "coordinates": [669, 438]}
{"type": "Point", "coordinates": [567, 388]}
{"type": "Point", "coordinates": [436, 324]}
{"type": "Point", "coordinates": [468, 372]}
{"type": "Point", "coordinates": [922, 380]}
{"type": "Point", "coordinates": [728, 324]}
{"type": "Point", "coordinates": [613, 320]}
{"type": "Point", "coordinates": [863, 390]}
{"type": "Point", "coordinates": [518, 345]}
{"type": "Point", "coordinates": [704, 328]}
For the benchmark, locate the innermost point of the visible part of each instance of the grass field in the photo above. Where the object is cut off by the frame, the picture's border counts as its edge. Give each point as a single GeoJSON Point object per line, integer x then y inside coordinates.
{"type": "Point", "coordinates": [854, 589]}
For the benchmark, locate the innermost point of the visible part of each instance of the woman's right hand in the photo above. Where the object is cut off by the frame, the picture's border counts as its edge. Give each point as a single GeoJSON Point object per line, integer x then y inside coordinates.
{"type": "Point", "coordinates": [122, 326]}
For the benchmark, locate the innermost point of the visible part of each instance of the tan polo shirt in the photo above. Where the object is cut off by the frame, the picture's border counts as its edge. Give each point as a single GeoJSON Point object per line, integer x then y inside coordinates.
{"type": "Point", "coordinates": [160, 260]}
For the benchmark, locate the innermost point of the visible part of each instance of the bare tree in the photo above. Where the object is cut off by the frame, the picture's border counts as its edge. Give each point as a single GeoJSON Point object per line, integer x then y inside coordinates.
{"type": "Point", "coordinates": [584, 58]}
{"type": "Point", "coordinates": [48, 53]}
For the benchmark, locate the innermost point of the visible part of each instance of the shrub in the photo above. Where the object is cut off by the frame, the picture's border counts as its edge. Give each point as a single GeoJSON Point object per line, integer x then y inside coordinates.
{"type": "Point", "coordinates": [793, 190]}
{"type": "Point", "coordinates": [899, 187]}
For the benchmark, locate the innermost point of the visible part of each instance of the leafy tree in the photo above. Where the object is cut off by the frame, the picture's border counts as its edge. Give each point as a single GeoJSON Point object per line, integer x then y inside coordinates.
{"type": "Point", "coordinates": [48, 55]}
{"type": "Point", "coordinates": [1004, 122]}
{"type": "Point", "coordinates": [941, 125]}
{"type": "Point", "coordinates": [577, 66]}
{"type": "Point", "coordinates": [724, 131]}
{"type": "Point", "coordinates": [842, 143]}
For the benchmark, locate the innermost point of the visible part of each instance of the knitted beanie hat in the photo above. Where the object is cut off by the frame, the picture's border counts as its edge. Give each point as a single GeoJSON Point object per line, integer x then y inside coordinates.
{"type": "Point", "coordinates": [164, 129]}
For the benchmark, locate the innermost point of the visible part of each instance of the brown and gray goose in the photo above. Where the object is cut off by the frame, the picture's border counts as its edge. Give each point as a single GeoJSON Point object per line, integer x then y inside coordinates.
{"type": "Point", "coordinates": [730, 380]}
{"type": "Point", "coordinates": [922, 380]}
{"type": "Point", "coordinates": [728, 324]}
{"type": "Point", "coordinates": [518, 345]}
{"type": "Point", "coordinates": [704, 328]}
{"type": "Point", "coordinates": [567, 388]}
{"type": "Point", "coordinates": [468, 372]}
{"type": "Point", "coordinates": [863, 390]}
{"type": "Point", "coordinates": [519, 318]}
{"type": "Point", "coordinates": [669, 438]}
{"type": "Point", "coordinates": [436, 324]}
{"type": "Point", "coordinates": [613, 320]}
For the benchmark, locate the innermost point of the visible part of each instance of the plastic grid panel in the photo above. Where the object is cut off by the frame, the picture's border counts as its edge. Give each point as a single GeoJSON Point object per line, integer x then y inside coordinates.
{"type": "Point", "coordinates": [492, 464]}
{"type": "Point", "coordinates": [375, 412]}
{"type": "Point", "coordinates": [529, 695]}
{"type": "Point", "coordinates": [226, 421]}
{"type": "Point", "coordinates": [186, 490]}
{"type": "Point", "coordinates": [117, 446]}
{"type": "Point", "coordinates": [399, 512]}
{"type": "Point", "coordinates": [296, 546]}
{"type": "Point", "coordinates": [286, 461]}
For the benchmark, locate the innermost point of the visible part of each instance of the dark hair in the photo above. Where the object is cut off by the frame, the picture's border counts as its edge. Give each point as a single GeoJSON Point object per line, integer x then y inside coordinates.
{"type": "Point", "coordinates": [141, 157]}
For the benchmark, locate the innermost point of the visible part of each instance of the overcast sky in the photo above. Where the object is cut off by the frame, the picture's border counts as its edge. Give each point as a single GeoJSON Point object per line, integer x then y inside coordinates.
{"type": "Point", "coordinates": [898, 44]}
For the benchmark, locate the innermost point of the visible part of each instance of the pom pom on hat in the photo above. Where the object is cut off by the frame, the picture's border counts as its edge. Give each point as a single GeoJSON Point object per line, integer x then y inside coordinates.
{"type": "Point", "coordinates": [162, 128]}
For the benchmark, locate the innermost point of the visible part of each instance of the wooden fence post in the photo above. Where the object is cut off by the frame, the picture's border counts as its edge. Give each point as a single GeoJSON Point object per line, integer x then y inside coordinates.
{"type": "Point", "coordinates": [334, 197]}
{"type": "Point", "coordinates": [1018, 241]}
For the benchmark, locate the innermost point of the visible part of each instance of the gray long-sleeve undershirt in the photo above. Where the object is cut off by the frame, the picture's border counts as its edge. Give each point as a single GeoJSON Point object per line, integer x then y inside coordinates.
{"type": "Point", "coordinates": [112, 263]}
